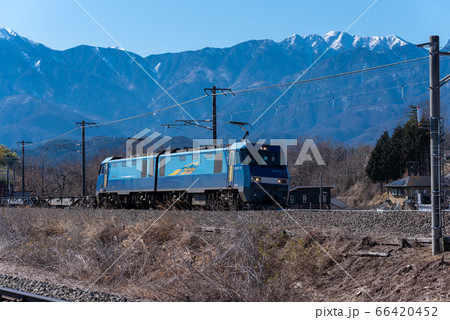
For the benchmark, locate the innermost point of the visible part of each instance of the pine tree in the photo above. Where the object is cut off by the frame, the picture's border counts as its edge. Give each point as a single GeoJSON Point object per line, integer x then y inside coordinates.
{"type": "Point", "coordinates": [416, 143]}
{"type": "Point", "coordinates": [378, 167]}
{"type": "Point", "coordinates": [396, 158]}
{"type": "Point", "coordinates": [409, 147]}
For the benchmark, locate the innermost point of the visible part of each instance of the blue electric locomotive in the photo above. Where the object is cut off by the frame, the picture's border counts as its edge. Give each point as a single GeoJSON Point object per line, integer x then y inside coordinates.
{"type": "Point", "coordinates": [222, 177]}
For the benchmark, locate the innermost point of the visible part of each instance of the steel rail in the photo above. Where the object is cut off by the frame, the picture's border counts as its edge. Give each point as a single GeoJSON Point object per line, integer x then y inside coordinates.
{"type": "Point", "coordinates": [7, 294]}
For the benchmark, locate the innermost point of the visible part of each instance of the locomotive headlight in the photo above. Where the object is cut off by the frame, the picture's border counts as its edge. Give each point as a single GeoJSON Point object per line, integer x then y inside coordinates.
{"type": "Point", "coordinates": [257, 179]}
{"type": "Point", "coordinates": [283, 181]}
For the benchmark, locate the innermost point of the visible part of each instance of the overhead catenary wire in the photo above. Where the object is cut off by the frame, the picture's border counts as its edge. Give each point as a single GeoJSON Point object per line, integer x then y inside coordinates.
{"type": "Point", "coordinates": [151, 112]}
{"type": "Point", "coordinates": [54, 138]}
{"type": "Point", "coordinates": [325, 99]}
{"type": "Point", "coordinates": [241, 91]}
{"type": "Point", "coordinates": [353, 106]}
{"type": "Point", "coordinates": [327, 108]}
{"type": "Point", "coordinates": [117, 121]}
{"type": "Point", "coordinates": [327, 77]}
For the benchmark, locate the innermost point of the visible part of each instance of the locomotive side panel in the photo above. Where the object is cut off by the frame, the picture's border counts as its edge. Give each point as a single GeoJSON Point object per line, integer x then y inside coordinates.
{"type": "Point", "coordinates": [177, 172]}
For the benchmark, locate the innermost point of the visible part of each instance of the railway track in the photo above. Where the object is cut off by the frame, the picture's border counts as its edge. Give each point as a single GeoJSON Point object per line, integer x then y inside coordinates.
{"type": "Point", "coordinates": [10, 295]}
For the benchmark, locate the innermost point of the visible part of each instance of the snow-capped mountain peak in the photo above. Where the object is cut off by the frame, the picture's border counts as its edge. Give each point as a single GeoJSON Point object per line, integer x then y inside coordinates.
{"type": "Point", "coordinates": [7, 33]}
{"type": "Point", "coordinates": [331, 34]}
{"type": "Point", "coordinates": [373, 42]}
{"type": "Point", "coordinates": [341, 40]}
{"type": "Point", "coordinates": [292, 39]}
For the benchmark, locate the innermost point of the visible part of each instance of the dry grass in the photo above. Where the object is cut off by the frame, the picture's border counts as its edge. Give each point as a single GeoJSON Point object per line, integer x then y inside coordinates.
{"type": "Point", "coordinates": [174, 261]}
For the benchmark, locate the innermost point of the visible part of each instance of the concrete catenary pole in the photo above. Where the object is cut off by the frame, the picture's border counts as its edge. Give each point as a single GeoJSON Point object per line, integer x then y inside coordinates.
{"type": "Point", "coordinates": [214, 115]}
{"type": "Point", "coordinates": [83, 125]}
{"type": "Point", "coordinates": [23, 143]}
{"type": "Point", "coordinates": [83, 155]}
{"type": "Point", "coordinates": [214, 91]}
{"type": "Point", "coordinates": [23, 168]}
{"type": "Point", "coordinates": [435, 114]}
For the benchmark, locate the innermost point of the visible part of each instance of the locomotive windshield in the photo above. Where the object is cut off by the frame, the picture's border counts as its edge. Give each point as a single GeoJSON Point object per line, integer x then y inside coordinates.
{"type": "Point", "coordinates": [271, 158]}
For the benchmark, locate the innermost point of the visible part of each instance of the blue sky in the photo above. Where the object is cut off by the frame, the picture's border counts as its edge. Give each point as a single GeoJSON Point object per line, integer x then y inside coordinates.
{"type": "Point", "coordinates": [148, 27]}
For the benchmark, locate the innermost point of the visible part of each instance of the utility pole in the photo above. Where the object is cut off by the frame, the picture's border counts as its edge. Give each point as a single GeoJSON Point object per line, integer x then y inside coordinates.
{"type": "Point", "coordinates": [213, 91]}
{"type": "Point", "coordinates": [435, 143]}
{"type": "Point", "coordinates": [83, 125]}
{"type": "Point", "coordinates": [23, 143]}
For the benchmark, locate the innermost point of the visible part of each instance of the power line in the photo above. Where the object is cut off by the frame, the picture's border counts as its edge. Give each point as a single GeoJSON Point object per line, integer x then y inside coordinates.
{"type": "Point", "coordinates": [236, 91]}
{"type": "Point", "coordinates": [149, 113]}
{"type": "Point", "coordinates": [328, 108]}
{"type": "Point", "coordinates": [325, 99]}
{"type": "Point", "coordinates": [54, 138]}
{"type": "Point", "coordinates": [118, 120]}
{"type": "Point", "coordinates": [330, 76]}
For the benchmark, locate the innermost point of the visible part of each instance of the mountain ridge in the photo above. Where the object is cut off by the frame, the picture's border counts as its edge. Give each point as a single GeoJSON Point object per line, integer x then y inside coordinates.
{"type": "Point", "coordinates": [102, 84]}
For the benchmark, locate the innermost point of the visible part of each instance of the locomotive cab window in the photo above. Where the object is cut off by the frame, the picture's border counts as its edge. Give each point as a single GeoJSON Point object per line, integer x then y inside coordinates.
{"type": "Point", "coordinates": [271, 158]}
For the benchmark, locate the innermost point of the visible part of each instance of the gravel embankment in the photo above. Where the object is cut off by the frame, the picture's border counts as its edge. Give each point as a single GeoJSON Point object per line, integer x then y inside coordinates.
{"type": "Point", "coordinates": [60, 292]}
{"type": "Point", "coordinates": [401, 224]}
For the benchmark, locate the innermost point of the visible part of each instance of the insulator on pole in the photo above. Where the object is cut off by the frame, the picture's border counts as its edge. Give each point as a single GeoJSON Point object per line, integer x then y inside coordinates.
{"type": "Point", "coordinates": [403, 92]}
{"type": "Point", "coordinates": [231, 116]}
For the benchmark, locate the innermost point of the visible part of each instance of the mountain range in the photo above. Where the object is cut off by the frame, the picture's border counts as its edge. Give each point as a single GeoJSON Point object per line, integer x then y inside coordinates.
{"type": "Point", "coordinates": [43, 92]}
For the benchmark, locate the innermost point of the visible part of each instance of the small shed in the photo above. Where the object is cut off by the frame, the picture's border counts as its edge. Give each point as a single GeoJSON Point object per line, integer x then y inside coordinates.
{"type": "Point", "coordinates": [308, 197]}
